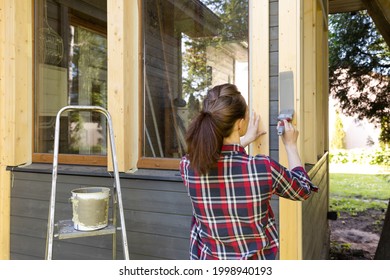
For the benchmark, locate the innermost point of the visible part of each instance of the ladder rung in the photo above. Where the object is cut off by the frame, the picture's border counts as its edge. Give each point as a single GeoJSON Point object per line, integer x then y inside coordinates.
{"type": "Point", "coordinates": [66, 230]}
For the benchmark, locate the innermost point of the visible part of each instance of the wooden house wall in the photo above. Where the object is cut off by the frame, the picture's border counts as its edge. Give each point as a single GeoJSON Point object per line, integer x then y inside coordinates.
{"type": "Point", "coordinates": [315, 227]}
{"type": "Point", "coordinates": [302, 36]}
{"type": "Point", "coordinates": [158, 212]}
{"type": "Point", "coordinates": [157, 216]}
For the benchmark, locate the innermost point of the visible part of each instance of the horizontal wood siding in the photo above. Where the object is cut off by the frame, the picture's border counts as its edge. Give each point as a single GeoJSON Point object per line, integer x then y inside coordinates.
{"type": "Point", "coordinates": [315, 227]}
{"type": "Point", "coordinates": [157, 214]}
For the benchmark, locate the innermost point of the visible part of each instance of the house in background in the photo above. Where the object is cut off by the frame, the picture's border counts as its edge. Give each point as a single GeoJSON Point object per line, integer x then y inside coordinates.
{"type": "Point", "coordinates": [134, 58]}
{"type": "Point", "coordinates": [359, 134]}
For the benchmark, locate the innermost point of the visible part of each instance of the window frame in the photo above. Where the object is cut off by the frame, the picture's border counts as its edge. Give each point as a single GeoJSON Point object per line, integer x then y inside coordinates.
{"type": "Point", "coordinates": [144, 161]}
{"type": "Point", "coordinates": [75, 159]}
{"type": "Point", "coordinates": [147, 162]}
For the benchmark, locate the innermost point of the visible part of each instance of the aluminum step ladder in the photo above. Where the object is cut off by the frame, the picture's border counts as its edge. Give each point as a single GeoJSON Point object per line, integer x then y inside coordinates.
{"type": "Point", "coordinates": [65, 228]}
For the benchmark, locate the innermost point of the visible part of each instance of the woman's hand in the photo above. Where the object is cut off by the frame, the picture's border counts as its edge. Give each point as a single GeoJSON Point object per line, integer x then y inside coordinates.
{"type": "Point", "coordinates": [253, 132]}
{"type": "Point", "coordinates": [289, 138]}
{"type": "Point", "coordinates": [290, 135]}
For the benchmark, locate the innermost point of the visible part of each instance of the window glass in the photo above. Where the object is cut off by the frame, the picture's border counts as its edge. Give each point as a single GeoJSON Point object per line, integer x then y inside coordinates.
{"type": "Point", "coordinates": [189, 46]}
{"type": "Point", "coordinates": [70, 69]}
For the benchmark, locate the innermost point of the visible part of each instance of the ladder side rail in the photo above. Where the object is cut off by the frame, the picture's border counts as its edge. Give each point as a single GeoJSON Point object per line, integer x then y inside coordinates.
{"type": "Point", "coordinates": [50, 226]}
{"type": "Point", "coordinates": [114, 222]}
{"type": "Point", "coordinates": [117, 185]}
{"type": "Point", "coordinates": [50, 230]}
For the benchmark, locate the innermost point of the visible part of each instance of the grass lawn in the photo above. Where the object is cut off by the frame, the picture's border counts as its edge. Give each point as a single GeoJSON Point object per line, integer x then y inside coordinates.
{"type": "Point", "coordinates": [358, 192]}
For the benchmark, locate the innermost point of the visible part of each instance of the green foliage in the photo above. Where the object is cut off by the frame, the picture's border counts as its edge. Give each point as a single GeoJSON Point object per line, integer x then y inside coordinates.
{"type": "Point", "coordinates": [234, 17]}
{"type": "Point", "coordinates": [384, 137]}
{"type": "Point", "coordinates": [359, 59]}
{"type": "Point", "coordinates": [340, 248]}
{"type": "Point", "coordinates": [381, 158]}
{"type": "Point", "coordinates": [195, 66]}
{"type": "Point", "coordinates": [361, 156]}
{"type": "Point", "coordinates": [339, 134]}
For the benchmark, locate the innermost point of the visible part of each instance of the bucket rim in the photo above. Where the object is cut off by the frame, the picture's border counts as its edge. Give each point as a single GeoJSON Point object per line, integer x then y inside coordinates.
{"type": "Point", "coordinates": [86, 189]}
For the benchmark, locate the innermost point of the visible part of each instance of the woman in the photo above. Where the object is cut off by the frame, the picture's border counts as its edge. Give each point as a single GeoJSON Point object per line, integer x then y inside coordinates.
{"type": "Point", "coordinates": [230, 190]}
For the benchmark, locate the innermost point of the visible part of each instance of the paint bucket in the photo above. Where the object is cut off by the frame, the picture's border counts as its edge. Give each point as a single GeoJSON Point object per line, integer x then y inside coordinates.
{"type": "Point", "coordinates": [90, 208]}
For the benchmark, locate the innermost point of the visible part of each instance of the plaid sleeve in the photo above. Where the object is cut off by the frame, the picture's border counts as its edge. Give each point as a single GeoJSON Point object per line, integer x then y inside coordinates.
{"type": "Point", "coordinates": [293, 184]}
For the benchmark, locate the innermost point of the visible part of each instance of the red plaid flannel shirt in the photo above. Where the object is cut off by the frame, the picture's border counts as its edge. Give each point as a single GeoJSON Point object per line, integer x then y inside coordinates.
{"type": "Point", "coordinates": [233, 218]}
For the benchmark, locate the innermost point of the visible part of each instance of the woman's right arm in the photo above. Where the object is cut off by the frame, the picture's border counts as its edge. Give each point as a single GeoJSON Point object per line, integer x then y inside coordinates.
{"type": "Point", "coordinates": [292, 183]}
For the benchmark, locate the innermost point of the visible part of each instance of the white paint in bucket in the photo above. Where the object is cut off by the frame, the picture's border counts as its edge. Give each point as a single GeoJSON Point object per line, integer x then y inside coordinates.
{"type": "Point", "coordinates": [90, 208]}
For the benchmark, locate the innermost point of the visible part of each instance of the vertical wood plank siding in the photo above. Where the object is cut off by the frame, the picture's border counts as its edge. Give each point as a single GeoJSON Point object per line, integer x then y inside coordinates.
{"type": "Point", "coordinates": [315, 227]}
{"type": "Point", "coordinates": [157, 213]}
{"type": "Point", "coordinates": [15, 101]}
{"type": "Point", "coordinates": [123, 79]}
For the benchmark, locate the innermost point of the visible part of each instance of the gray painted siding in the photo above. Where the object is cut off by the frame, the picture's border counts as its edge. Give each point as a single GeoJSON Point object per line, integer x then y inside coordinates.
{"type": "Point", "coordinates": [274, 78]}
{"type": "Point", "coordinates": [157, 216]}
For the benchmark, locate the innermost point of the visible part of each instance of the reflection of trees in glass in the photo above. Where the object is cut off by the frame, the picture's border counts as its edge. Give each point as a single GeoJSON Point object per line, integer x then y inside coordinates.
{"type": "Point", "coordinates": [233, 15]}
{"type": "Point", "coordinates": [197, 40]}
{"type": "Point", "coordinates": [88, 83]}
{"type": "Point", "coordinates": [89, 66]}
{"type": "Point", "coordinates": [197, 76]}
{"type": "Point", "coordinates": [194, 58]}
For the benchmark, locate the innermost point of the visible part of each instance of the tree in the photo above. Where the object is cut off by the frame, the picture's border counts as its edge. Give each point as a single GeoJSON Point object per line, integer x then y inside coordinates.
{"type": "Point", "coordinates": [384, 137]}
{"type": "Point", "coordinates": [233, 15]}
{"type": "Point", "coordinates": [339, 134]}
{"type": "Point", "coordinates": [359, 68]}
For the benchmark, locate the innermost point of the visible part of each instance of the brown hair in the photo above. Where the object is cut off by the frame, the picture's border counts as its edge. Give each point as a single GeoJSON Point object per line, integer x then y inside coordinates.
{"type": "Point", "coordinates": [222, 106]}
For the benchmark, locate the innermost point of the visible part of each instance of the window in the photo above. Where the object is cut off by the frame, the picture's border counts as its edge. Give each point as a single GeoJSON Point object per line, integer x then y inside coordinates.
{"type": "Point", "coordinates": [70, 69]}
{"type": "Point", "coordinates": [189, 46]}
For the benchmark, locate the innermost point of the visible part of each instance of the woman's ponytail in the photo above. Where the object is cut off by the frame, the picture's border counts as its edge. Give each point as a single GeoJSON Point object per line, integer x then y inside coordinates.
{"type": "Point", "coordinates": [222, 106]}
